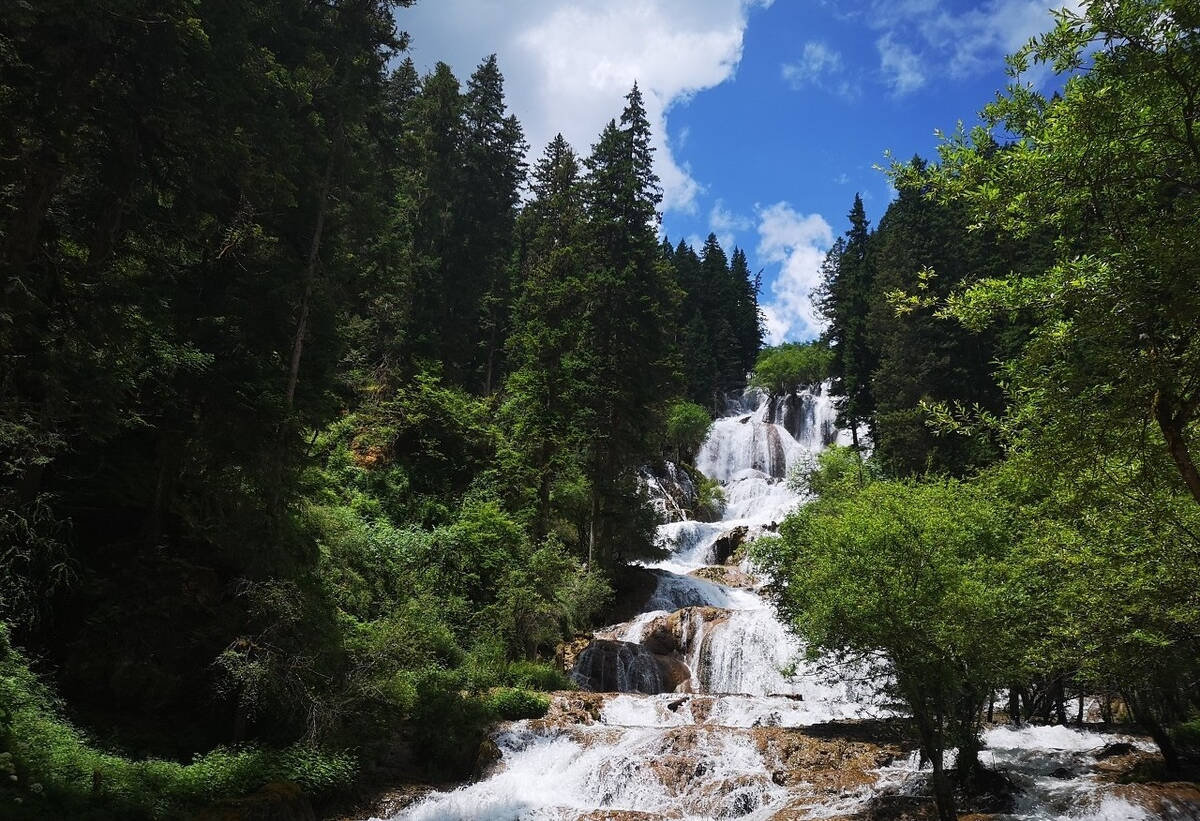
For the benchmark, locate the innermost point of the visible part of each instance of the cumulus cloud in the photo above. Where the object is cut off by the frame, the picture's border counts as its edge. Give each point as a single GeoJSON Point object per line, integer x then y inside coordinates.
{"type": "Point", "coordinates": [798, 244]}
{"type": "Point", "coordinates": [902, 69]}
{"type": "Point", "coordinates": [819, 66]}
{"type": "Point", "coordinates": [725, 224]}
{"type": "Point", "coordinates": [971, 40]}
{"type": "Point", "coordinates": [923, 36]}
{"type": "Point", "coordinates": [567, 65]}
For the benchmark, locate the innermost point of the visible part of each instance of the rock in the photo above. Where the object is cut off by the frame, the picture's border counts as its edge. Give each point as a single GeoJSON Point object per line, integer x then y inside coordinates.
{"type": "Point", "coordinates": [727, 546]}
{"type": "Point", "coordinates": [1062, 772]}
{"type": "Point", "coordinates": [676, 675]}
{"type": "Point", "coordinates": [277, 801]}
{"type": "Point", "coordinates": [832, 763]}
{"type": "Point", "coordinates": [728, 576]}
{"type": "Point", "coordinates": [488, 761]}
{"type": "Point", "coordinates": [676, 632]}
{"type": "Point", "coordinates": [632, 588]}
{"type": "Point", "coordinates": [671, 490]}
{"type": "Point", "coordinates": [566, 654]}
{"type": "Point", "coordinates": [610, 666]}
{"type": "Point", "coordinates": [1114, 749]}
{"type": "Point", "coordinates": [1168, 800]}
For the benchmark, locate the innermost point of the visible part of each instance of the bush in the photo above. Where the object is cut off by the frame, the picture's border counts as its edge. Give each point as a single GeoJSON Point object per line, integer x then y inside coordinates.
{"type": "Point", "coordinates": [687, 427]}
{"type": "Point", "coordinates": [532, 675]}
{"type": "Point", "coordinates": [59, 773]}
{"type": "Point", "coordinates": [513, 704]}
{"type": "Point", "coordinates": [710, 498]}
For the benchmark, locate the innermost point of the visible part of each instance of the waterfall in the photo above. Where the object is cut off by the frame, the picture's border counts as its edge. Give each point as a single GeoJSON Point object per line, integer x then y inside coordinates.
{"type": "Point", "coordinates": [704, 703]}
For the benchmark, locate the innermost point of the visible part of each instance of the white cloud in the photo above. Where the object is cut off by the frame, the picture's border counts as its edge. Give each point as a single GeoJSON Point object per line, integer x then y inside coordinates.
{"type": "Point", "coordinates": [725, 224]}
{"type": "Point", "coordinates": [923, 36]}
{"type": "Point", "coordinates": [567, 65]}
{"type": "Point", "coordinates": [798, 244]}
{"type": "Point", "coordinates": [973, 39]}
{"type": "Point", "coordinates": [901, 66]}
{"type": "Point", "coordinates": [820, 67]}
{"type": "Point", "coordinates": [816, 60]}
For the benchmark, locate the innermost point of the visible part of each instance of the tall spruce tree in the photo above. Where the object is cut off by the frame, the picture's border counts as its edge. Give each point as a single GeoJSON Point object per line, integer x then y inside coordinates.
{"type": "Point", "coordinates": [844, 299]}
{"type": "Point", "coordinates": [630, 297]}
{"type": "Point", "coordinates": [493, 173]}
{"type": "Point", "coordinates": [547, 382]}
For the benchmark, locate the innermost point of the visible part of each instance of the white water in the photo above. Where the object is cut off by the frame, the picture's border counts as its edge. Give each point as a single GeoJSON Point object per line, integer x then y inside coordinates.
{"type": "Point", "coordinates": [691, 754]}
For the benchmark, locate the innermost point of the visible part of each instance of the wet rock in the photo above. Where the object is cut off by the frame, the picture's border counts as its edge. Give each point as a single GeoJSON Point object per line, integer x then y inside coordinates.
{"type": "Point", "coordinates": [829, 765]}
{"type": "Point", "coordinates": [728, 576]}
{"type": "Point", "coordinates": [567, 653]}
{"type": "Point", "coordinates": [488, 761]}
{"type": "Point", "coordinates": [608, 666]}
{"type": "Point", "coordinates": [676, 675]}
{"type": "Point", "coordinates": [678, 631]}
{"type": "Point", "coordinates": [1115, 749]}
{"type": "Point", "coordinates": [728, 545]}
{"type": "Point", "coordinates": [671, 490]}
{"type": "Point", "coordinates": [1167, 800]}
{"type": "Point", "coordinates": [1062, 772]}
{"type": "Point", "coordinates": [632, 588]}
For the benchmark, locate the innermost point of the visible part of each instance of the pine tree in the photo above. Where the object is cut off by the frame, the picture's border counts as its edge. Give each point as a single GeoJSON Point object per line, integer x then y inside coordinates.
{"type": "Point", "coordinates": [546, 384]}
{"type": "Point", "coordinates": [493, 173]}
{"type": "Point", "coordinates": [844, 300]}
{"type": "Point", "coordinates": [630, 298]}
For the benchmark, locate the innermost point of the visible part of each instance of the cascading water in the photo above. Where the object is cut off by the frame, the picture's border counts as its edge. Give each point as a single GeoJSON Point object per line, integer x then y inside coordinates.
{"type": "Point", "coordinates": [715, 705]}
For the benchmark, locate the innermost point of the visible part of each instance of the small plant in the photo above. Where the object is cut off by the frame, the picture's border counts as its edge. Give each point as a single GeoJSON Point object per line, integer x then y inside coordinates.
{"type": "Point", "coordinates": [512, 704]}
{"type": "Point", "coordinates": [532, 675]}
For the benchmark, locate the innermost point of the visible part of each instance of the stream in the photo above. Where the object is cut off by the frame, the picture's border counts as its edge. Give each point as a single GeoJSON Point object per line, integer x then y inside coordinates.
{"type": "Point", "coordinates": [704, 706]}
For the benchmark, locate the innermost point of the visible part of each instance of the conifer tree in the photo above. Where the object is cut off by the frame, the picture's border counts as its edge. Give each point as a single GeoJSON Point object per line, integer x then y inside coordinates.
{"type": "Point", "coordinates": [843, 298]}
{"type": "Point", "coordinates": [630, 297]}
{"type": "Point", "coordinates": [546, 384]}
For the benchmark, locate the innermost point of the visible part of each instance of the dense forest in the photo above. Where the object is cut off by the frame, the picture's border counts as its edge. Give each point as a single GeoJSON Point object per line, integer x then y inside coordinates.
{"type": "Point", "coordinates": [1017, 343]}
{"type": "Point", "coordinates": [321, 412]}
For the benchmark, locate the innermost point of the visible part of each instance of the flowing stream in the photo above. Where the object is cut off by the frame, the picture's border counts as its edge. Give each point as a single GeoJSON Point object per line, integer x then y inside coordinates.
{"type": "Point", "coordinates": [704, 707]}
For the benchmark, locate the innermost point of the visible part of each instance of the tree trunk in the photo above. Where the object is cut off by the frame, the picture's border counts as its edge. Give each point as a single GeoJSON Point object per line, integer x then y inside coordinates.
{"type": "Point", "coordinates": [1166, 745]}
{"type": "Point", "coordinates": [1060, 702]}
{"type": "Point", "coordinates": [1014, 705]}
{"type": "Point", "coordinates": [310, 275]}
{"type": "Point", "coordinates": [1079, 717]}
{"type": "Point", "coordinates": [1172, 426]}
{"type": "Point", "coordinates": [943, 792]}
{"type": "Point", "coordinates": [592, 529]}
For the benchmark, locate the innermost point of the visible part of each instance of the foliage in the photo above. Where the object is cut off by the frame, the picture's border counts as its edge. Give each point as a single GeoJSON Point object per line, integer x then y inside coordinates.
{"type": "Point", "coordinates": [1111, 167]}
{"type": "Point", "coordinates": [512, 704]}
{"type": "Point", "coordinates": [57, 769]}
{"type": "Point", "coordinates": [843, 299]}
{"type": "Point", "coordinates": [787, 368]}
{"type": "Point", "coordinates": [687, 428]}
{"type": "Point", "coordinates": [710, 499]}
{"type": "Point", "coordinates": [909, 571]}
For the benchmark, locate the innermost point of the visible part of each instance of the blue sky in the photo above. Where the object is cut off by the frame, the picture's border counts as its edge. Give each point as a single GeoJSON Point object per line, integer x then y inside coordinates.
{"type": "Point", "coordinates": [768, 116]}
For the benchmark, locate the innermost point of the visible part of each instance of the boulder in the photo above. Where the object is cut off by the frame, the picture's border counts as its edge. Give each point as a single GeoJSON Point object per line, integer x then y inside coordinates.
{"type": "Point", "coordinates": [728, 545]}
{"type": "Point", "coordinates": [610, 666]}
{"type": "Point", "coordinates": [677, 632]}
{"type": "Point", "coordinates": [725, 574]}
{"type": "Point", "coordinates": [1114, 749]}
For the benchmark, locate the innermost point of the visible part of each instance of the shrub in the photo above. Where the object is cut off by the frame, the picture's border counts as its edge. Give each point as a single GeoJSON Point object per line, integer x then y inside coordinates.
{"type": "Point", "coordinates": [532, 675]}
{"type": "Point", "coordinates": [512, 704]}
